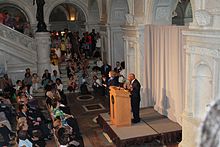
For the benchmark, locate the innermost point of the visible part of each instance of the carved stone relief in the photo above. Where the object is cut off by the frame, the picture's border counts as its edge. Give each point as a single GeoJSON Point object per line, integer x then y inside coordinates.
{"type": "Point", "coordinates": [129, 19]}
{"type": "Point", "coordinates": [162, 13]}
{"type": "Point", "coordinates": [203, 18]}
{"type": "Point", "coordinates": [119, 14]}
{"type": "Point", "coordinates": [203, 51]}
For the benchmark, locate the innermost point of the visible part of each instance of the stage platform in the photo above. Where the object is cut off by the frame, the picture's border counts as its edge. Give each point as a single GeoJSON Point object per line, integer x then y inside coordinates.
{"type": "Point", "coordinates": [153, 127]}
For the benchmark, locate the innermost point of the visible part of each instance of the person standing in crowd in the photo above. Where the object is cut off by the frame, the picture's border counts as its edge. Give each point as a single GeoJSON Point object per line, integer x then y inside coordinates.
{"type": "Point", "coordinates": [122, 75]}
{"type": "Point", "coordinates": [105, 69]}
{"type": "Point", "coordinates": [8, 21]}
{"type": "Point", "coordinates": [99, 63]}
{"type": "Point", "coordinates": [97, 85]}
{"type": "Point", "coordinates": [118, 67]}
{"type": "Point", "coordinates": [2, 17]}
{"type": "Point", "coordinates": [27, 29]}
{"type": "Point", "coordinates": [63, 48]}
{"type": "Point", "coordinates": [135, 97]}
{"type": "Point", "coordinates": [97, 52]}
{"type": "Point", "coordinates": [18, 26]}
{"type": "Point", "coordinates": [93, 37]}
{"type": "Point", "coordinates": [88, 45]}
{"type": "Point", "coordinates": [7, 85]}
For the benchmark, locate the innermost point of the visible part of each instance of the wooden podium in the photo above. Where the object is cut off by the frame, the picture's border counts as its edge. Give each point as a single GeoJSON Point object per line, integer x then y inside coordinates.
{"type": "Point", "coordinates": [120, 106]}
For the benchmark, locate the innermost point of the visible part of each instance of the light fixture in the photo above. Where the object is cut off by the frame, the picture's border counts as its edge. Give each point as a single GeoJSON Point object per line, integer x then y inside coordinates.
{"type": "Point", "coordinates": [72, 18]}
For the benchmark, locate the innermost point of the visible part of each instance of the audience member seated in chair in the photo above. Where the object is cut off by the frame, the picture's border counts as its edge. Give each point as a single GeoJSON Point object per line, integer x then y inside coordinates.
{"type": "Point", "coordinates": [24, 140]}
{"type": "Point", "coordinates": [34, 120]}
{"type": "Point", "coordinates": [66, 120]}
{"type": "Point", "coordinates": [5, 134]}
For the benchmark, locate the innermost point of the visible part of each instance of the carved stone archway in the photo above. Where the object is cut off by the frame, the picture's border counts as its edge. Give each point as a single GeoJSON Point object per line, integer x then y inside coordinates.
{"type": "Point", "coordinates": [77, 3]}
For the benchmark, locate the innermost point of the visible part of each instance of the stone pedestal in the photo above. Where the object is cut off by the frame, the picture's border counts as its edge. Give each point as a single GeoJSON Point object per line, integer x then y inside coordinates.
{"type": "Point", "coordinates": [43, 52]}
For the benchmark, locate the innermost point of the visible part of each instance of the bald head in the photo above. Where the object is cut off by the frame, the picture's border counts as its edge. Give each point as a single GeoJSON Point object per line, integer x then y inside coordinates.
{"type": "Point", "coordinates": [131, 77]}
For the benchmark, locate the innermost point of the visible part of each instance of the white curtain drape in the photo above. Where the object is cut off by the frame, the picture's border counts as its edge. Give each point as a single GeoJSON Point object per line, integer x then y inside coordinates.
{"type": "Point", "coordinates": [165, 69]}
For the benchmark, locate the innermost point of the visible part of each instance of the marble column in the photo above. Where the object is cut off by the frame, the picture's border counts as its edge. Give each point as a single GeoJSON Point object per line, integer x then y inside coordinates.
{"type": "Point", "coordinates": [103, 30]}
{"type": "Point", "coordinates": [134, 54]}
{"type": "Point", "coordinates": [43, 52]}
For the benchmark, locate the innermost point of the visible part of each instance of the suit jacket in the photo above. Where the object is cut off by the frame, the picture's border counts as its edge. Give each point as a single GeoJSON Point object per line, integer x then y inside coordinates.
{"type": "Point", "coordinates": [113, 82]}
{"type": "Point", "coordinates": [105, 69]}
{"type": "Point", "coordinates": [135, 93]}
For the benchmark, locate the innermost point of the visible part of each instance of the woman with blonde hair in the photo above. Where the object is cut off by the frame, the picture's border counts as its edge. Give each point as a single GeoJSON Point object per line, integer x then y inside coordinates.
{"type": "Point", "coordinates": [113, 79]}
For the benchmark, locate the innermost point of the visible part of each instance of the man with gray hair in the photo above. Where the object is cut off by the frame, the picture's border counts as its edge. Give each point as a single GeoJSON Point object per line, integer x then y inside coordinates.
{"type": "Point", "coordinates": [135, 97]}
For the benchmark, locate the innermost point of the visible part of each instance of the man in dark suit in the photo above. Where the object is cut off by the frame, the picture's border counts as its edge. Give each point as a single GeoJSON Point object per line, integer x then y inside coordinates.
{"type": "Point", "coordinates": [135, 97]}
{"type": "Point", "coordinates": [105, 69]}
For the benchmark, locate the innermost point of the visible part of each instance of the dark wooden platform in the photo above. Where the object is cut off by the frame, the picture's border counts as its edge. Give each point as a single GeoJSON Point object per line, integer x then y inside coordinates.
{"type": "Point", "coordinates": [152, 128]}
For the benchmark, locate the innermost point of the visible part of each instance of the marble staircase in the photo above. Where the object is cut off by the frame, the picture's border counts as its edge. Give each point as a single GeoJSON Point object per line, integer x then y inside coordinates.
{"type": "Point", "coordinates": [78, 75]}
{"type": "Point", "coordinates": [17, 52]}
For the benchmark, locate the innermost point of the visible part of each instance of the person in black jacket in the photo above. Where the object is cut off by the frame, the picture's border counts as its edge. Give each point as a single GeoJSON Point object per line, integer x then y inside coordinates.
{"type": "Point", "coordinates": [135, 97]}
{"type": "Point", "coordinates": [105, 69]}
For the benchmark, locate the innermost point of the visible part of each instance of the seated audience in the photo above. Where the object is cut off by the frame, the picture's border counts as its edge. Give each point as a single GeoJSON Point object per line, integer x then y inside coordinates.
{"type": "Point", "coordinates": [55, 76]}
{"type": "Point", "coordinates": [28, 82]}
{"type": "Point", "coordinates": [72, 84]}
{"type": "Point", "coordinates": [7, 85]}
{"type": "Point", "coordinates": [46, 78]}
{"type": "Point", "coordinates": [67, 120]}
{"type": "Point", "coordinates": [24, 139]}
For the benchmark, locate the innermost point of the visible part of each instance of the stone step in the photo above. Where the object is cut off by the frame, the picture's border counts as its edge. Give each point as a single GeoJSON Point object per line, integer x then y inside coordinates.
{"type": "Point", "coordinates": [65, 80]}
{"type": "Point", "coordinates": [65, 86]}
{"type": "Point", "coordinates": [64, 77]}
{"type": "Point", "coordinates": [63, 71]}
{"type": "Point", "coordinates": [63, 64]}
{"type": "Point", "coordinates": [39, 94]}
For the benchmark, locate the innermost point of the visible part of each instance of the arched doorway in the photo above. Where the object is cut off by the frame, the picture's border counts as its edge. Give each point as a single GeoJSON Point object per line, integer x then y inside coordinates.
{"type": "Point", "coordinates": [68, 16]}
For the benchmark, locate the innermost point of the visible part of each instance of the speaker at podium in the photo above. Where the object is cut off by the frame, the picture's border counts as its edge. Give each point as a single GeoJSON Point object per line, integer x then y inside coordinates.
{"type": "Point", "coordinates": [120, 106]}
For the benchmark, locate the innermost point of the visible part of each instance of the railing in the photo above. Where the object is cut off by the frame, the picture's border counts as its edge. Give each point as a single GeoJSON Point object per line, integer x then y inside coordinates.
{"type": "Point", "coordinates": [17, 37]}
{"type": "Point", "coordinates": [19, 45]}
